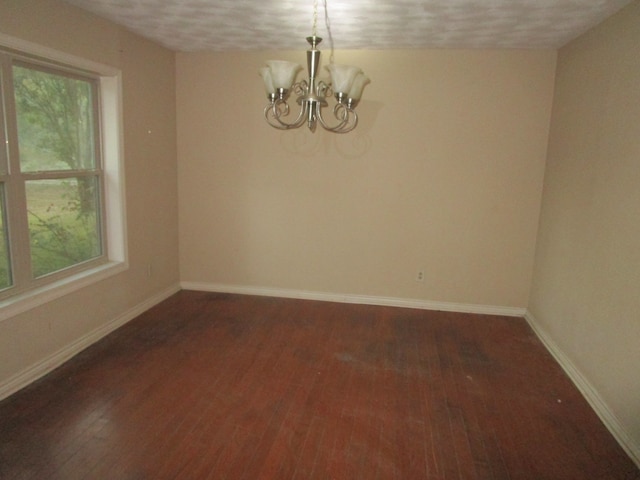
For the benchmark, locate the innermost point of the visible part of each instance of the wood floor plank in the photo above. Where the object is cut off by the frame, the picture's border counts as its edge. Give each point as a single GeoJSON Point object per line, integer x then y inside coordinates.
{"type": "Point", "coordinates": [215, 386]}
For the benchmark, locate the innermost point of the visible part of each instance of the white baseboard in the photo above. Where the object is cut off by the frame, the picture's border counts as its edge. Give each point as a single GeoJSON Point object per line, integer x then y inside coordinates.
{"type": "Point", "coordinates": [46, 365]}
{"type": "Point", "coordinates": [359, 299]}
{"type": "Point", "coordinates": [588, 391]}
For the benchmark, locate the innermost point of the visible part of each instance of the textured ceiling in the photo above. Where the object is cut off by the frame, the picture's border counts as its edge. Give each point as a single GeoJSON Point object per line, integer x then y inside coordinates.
{"type": "Point", "coordinates": [200, 25]}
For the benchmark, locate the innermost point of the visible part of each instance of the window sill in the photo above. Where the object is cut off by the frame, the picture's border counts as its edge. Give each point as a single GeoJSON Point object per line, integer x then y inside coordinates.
{"type": "Point", "coordinates": [13, 306]}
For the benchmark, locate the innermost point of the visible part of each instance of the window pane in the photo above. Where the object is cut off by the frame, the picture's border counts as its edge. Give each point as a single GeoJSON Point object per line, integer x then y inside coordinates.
{"type": "Point", "coordinates": [4, 145]}
{"type": "Point", "coordinates": [55, 121]}
{"type": "Point", "coordinates": [64, 223]}
{"type": "Point", "coordinates": [5, 264]}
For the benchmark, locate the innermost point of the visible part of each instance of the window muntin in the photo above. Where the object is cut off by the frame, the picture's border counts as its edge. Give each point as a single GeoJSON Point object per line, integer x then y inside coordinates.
{"type": "Point", "coordinates": [54, 225]}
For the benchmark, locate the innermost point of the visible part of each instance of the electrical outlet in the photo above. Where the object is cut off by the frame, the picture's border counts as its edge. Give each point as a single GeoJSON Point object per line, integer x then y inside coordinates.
{"type": "Point", "coordinates": [420, 276]}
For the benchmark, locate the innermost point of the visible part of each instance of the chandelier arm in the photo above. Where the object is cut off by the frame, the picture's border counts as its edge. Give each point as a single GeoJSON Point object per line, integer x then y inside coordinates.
{"type": "Point", "coordinates": [272, 114]}
{"type": "Point", "coordinates": [268, 114]}
{"type": "Point", "coordinates": [348, 119]}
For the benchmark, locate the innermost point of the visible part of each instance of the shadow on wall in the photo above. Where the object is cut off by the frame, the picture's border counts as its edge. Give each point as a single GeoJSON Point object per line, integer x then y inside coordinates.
{"type": "Point", "coordinates": [301, 142]}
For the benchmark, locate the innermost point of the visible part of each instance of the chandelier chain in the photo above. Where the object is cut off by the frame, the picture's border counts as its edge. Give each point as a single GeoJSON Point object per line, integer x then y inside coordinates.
{"type": "Point", "coordinates": [327, 22]}
{"type": "Point", "coordinates": [328, 25]}
{"type": "Point", "coordinates": [315, 18]}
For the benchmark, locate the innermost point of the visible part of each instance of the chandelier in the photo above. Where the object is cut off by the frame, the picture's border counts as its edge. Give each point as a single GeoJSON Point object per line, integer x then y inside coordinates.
{"type": "Point", "coordinates": [347, 84]}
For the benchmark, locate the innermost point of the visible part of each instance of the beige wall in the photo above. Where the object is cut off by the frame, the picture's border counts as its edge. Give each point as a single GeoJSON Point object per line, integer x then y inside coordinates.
{"type": "Point", "coordinates": [443, 173]}
{"type": "Point", "coordinates": [586, 286]}
{"type": "Point", "coordinates": [150, 170]}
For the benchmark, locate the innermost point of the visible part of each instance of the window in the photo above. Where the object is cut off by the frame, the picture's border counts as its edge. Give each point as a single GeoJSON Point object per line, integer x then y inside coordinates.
{"type": "Point", "coordinates": [61, 209]}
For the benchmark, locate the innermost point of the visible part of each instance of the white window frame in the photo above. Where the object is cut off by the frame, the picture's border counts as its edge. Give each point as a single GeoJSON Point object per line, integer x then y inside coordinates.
{"type": "Point", "coordinates": [110, 87]}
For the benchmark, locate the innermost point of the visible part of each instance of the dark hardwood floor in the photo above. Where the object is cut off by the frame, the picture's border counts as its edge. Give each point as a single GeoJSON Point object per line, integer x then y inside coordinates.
{"type": "Point", "coordinates": [214, 386]}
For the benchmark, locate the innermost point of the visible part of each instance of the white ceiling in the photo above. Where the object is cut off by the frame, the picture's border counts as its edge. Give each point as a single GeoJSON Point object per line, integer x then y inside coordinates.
{"type": "Point", "coordinates": [201, 25]}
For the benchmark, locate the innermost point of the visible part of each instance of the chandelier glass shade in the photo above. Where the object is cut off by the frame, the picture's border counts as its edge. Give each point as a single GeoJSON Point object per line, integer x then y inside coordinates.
{"type": "Point", "coordinates": [346, 86]}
